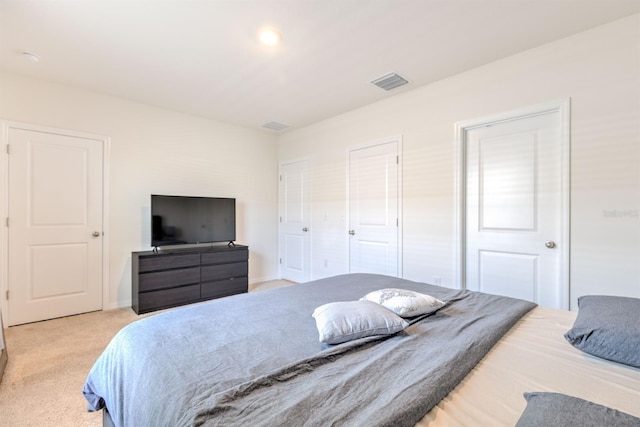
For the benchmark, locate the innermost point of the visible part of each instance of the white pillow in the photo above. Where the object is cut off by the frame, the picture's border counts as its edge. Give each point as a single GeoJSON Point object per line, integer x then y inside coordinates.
{"type": "Point", "coordinates": [339, 322]}
{"type": "Point", "coordinates": [403, 302]}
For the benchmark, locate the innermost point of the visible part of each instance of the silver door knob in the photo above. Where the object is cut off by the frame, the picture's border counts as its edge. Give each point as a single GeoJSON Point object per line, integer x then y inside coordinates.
{"type": "Point", "coordinates": [96, 234]}
{"type": "Point", "coordinates": [305, 229]}
{"type": "Point", "coordinates": [352, 232]}
{"type": "Point", "coordinates": [550, 244]}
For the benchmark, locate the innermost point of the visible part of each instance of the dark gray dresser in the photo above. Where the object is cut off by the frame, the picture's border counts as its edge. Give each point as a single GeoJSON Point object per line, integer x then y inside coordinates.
{"type": "Point", "coordinates": [173, 277]}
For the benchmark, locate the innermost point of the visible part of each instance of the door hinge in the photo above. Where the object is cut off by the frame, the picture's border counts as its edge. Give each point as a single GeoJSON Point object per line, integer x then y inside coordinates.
{"type": "Point", "coordinates": [397, 222]}
{"type": "Point", "coordinates": [280, 260]}
{"type": "Point", "coordinates": [280, 178]}
{"type": "Point", "coordinates": [397, 160]}
{"type": "Point", "coordinates": [8, 150]}
{"type": "Point", "coordinates": [7, 295]}
{"type": "Point", "coordinates": [7, 222]}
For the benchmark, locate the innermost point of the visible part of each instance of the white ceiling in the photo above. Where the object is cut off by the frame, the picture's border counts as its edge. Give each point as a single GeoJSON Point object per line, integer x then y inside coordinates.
{"type": "Point", "coordinates": [202, 57]}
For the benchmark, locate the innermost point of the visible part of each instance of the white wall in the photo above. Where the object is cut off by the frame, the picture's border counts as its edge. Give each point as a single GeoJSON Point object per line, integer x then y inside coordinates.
{"type": "Point", "coordinates": [163, 152]}
{"type": "Point", "coordinates": [598, 69]}
{"type": "Point", "coordinates": [159, 151]}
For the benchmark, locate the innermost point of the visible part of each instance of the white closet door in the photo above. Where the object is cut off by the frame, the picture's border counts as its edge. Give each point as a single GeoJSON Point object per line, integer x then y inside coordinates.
{"type": "Point", "coordinates": [514, 209]}
{"type": "Point", "coordinates": [374, 209]}
{"type": "Point", "coordinates": [295, 222]}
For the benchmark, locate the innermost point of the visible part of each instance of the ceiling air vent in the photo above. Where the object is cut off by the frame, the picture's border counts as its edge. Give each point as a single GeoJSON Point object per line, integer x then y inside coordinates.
{"type": "Point", "coordinates": [274, 126]}
{"type": "Point", "coordinates": [390, 81]}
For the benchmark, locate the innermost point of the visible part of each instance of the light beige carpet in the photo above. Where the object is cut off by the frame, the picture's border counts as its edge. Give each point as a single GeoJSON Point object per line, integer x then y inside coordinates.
{"type": "Point", "coordinates": [49, 362]}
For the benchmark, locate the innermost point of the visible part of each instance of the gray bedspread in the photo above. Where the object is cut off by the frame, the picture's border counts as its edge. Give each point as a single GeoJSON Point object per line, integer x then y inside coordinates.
{"type": "Point", "coordinates": [255, 359]}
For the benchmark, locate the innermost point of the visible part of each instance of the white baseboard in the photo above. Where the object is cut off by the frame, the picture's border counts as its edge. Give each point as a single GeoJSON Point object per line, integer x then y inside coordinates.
{"type": "Point", "coordinates": [262, 279]}
{"type": "Point", "coordinates": [117, 305]}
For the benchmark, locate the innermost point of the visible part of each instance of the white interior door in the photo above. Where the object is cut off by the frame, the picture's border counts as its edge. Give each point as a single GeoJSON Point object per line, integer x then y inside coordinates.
{"type": "Point", "coordinates": [55, 225]}
{"type": "Point", "coordinates": [514, 209]}
{"type": "Point", "coordinates": [374, 209]}
{"type": "Point", "coordinates": [295, 222]}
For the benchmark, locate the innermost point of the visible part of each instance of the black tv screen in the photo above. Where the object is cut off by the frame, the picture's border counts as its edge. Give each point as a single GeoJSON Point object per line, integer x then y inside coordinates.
{"type": "Point", "coordinates": [177, 220]}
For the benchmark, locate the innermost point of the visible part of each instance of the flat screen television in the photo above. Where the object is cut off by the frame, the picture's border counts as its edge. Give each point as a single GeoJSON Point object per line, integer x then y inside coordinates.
{"type": "Point", "coordinates": [179, 220]}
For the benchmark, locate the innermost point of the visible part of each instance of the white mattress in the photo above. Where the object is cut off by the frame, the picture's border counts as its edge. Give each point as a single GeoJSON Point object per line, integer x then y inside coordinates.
{"type": "Point", "coordinates": [534, 356]}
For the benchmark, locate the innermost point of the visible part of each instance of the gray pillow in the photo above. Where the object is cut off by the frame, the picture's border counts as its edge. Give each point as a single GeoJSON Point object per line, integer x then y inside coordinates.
{"type": "Point", "coordinates": [339, 322]}
{"type": "Point", "coordinates": [554, 409]}
{"type": "Point", "coordinates": [608, 327]}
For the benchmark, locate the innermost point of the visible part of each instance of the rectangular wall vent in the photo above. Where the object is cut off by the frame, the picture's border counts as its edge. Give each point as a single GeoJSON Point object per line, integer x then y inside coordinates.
{"type": "Point", "coordinates": [274, 126]}
{"type": "Point", "coordinates": [390, 81]}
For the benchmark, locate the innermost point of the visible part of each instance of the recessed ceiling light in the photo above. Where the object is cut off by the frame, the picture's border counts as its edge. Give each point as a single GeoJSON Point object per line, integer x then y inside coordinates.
{"type": "Point", "coordinates": [30, 56]}
{"type": "Point", "coordinates": [269, 37]}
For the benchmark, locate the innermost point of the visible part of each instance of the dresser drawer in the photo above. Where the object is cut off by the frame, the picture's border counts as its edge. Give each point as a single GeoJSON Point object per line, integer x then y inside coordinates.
{"type": "Point", "coordinates": [149, 301]}
{"type": "Point", "coordinates": [224, 271]}
{"type": "Point", "coordinates": [167, 262]}
{"type": "Point", "coordinates": [223, 288]}
{"type": "Point", "coordinates": [168, 279]}
{"type": "Point", "coordinates": [224, 257]}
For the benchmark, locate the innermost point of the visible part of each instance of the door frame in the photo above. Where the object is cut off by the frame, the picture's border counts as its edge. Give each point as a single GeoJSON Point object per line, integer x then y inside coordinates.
{"type": "Point", "coordinates": [6, 125]}
{"type": "Point", "coordinates": [369, 144]}
{"type": "Point", "coordinates": [280, 230]}
{"type": "Point", "coordinates": [560, 106]}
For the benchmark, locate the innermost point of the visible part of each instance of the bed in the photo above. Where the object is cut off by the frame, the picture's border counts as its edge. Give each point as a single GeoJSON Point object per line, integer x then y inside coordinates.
{"type": "Point", "coordinates": [256, 359]}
